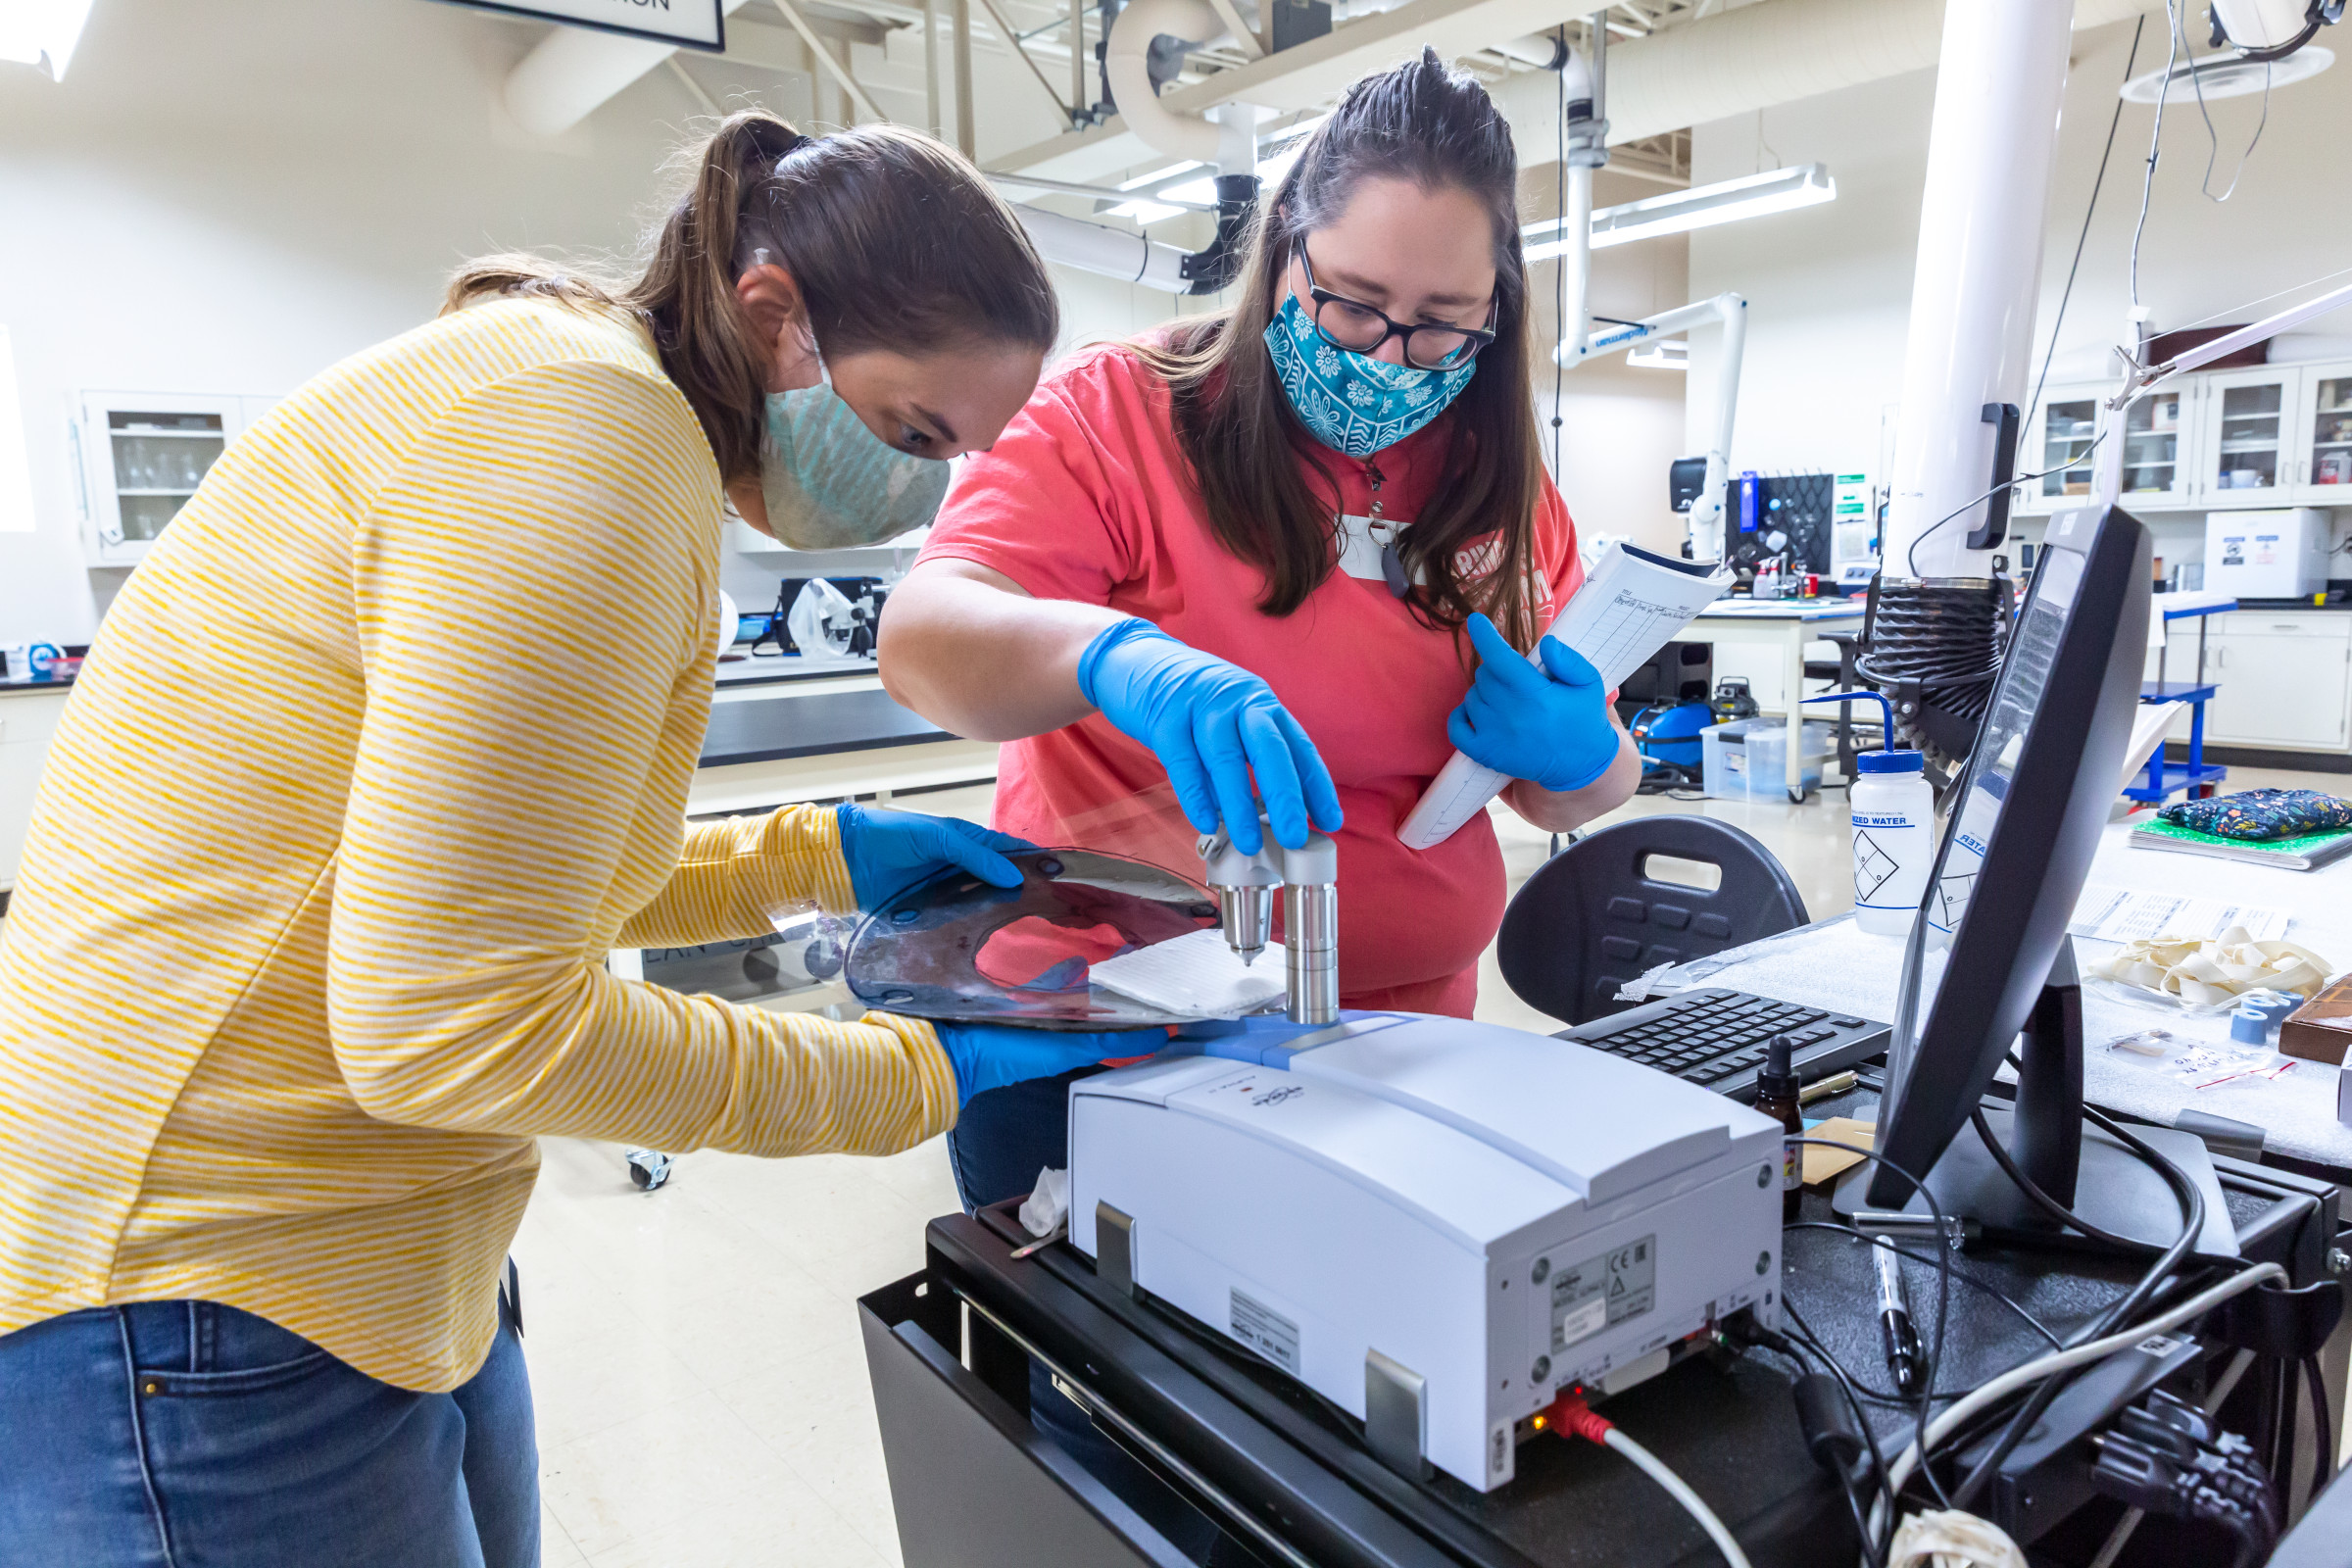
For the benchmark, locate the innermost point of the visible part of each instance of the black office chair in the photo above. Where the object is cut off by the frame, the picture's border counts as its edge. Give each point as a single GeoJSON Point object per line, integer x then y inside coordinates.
{"type": "Point", "coordinates": [1594, 917]}
{"type": "Point", "coordinates": [1852, 722]}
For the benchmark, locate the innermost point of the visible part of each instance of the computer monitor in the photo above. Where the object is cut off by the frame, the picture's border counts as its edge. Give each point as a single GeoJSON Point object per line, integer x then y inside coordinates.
{"type": "Point", "coordinates": [2022, 826]}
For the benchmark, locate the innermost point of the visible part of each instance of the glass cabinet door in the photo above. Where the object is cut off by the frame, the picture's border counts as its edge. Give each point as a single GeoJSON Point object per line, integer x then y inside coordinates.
{"type": "Point", "coordinates": [2249, 451]}
{"type": "Point", "coordinates": [2329, 424]}
{"type": "Point", "coordinates": [158, 460]}
{"type": "Point", "coordinates": [143, 455]}
{"type": "Point", "coordinates": [2059, 449]}
{"type": "Point", "coordinates": [2153, 460]}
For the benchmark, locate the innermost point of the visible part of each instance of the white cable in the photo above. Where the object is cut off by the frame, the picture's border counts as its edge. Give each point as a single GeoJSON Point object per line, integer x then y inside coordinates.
{"type": "Point", "coordinates": [2147, 183]}
{"type": "Point", "coordinates": [1680, 1490]}
{"type": "Point", "coordinates": [2057, 1361]}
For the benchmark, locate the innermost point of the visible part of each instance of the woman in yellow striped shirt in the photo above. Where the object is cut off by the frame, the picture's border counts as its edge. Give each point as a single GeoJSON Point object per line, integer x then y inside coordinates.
{"type": "Point", "coordinates": [308, 944]}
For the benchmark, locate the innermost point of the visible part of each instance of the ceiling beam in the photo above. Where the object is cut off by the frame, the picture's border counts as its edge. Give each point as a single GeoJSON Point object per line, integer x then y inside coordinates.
{"type": "Point", "coordinates": [1306, 75]}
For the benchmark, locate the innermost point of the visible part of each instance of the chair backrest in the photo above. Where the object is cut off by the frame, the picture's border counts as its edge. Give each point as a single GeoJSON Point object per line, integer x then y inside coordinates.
{"type": "Point", "coordinates": [1595, 918]}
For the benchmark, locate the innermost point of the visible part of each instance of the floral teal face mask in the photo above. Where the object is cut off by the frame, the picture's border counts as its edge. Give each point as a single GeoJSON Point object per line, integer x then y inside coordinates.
{"type": "Point", "coordinates": [1350, 402]}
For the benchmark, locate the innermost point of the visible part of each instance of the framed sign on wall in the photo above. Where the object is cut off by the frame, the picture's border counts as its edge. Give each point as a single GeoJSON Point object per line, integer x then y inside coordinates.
{"type": "Point", "coordinates": [688, 23]}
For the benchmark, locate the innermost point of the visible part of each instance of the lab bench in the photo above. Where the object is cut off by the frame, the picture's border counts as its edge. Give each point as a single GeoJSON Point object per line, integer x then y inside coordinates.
{"type": "Point", "coordinates": [29, 712]}
{"type": "Point", "coordinates": [823, 741]}
{"type": "Point", "coordinates": [816, 733]}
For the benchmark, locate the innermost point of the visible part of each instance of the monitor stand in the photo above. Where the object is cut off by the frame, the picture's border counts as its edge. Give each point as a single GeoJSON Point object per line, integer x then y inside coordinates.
{"type": "Point", "coordinates": [2080, 1165]}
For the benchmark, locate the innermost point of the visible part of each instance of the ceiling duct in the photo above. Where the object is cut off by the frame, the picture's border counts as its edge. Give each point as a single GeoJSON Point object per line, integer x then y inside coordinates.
{"type": "Point", "coordinates": [1734, 63]}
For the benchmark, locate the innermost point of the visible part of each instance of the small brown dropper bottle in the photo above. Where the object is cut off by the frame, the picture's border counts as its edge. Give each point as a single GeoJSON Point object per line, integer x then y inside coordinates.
{"type": "Point", "coordinates": [1775, 1097]}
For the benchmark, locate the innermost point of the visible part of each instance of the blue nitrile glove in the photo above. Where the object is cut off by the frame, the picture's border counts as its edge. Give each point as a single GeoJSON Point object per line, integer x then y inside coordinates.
{"type": "Point", "coordinates": [990, 1055]}
{"type": "Point", "coordinates": [888, 851]}
{"type": "Point", "coordinates": [1550, 725]}
{"type": "Point", "coordinates": [1211, 724]}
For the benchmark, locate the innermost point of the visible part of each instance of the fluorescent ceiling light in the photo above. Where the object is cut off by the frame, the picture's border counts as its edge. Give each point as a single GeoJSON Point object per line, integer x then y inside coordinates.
{"type": "Point", "coordinates": [1160, 176]}
{"type": "Point", "coordinates": [1277, 153]}
{"type": "Point", "coordinates": [1671, 355]}
{"type": "Point", "coordinates": [2226, 76]}
{"type": "Point", "coordinates": [1147, 211]}
{"type": "Point", "coordinates": [1678, 212]}
{"type": "Point", "coordinates": [43, 32]}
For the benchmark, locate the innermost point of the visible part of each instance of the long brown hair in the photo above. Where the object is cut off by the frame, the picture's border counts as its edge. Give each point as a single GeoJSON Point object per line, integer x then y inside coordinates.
{"type": "Point", "coordinates": [1439, 129]}
{"type": "Point", "coordinates": [893, 241]}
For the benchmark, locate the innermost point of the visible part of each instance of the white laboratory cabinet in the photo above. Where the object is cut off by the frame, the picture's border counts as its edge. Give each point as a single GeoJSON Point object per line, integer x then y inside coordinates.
{"type": "Point", "coordinates": [2245, 449]}
{"type": "Point", "coordinates": [28, 721]}
{"type": "Point", "coordinates": [2283, 678]}
{"type": "Point", "coordinates": [141, 454]}
{"type": "Point", "coordinates": [2276, 435]}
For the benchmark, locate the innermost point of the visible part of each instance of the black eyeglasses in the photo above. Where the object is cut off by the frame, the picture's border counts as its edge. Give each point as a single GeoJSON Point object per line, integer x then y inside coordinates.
{"type": "Point", "coordinates": [1345, 323]}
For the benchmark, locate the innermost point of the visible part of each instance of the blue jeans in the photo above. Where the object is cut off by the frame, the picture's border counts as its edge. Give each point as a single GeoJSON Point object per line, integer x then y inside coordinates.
{"type": "Point", "coordinates": [192, 1434]}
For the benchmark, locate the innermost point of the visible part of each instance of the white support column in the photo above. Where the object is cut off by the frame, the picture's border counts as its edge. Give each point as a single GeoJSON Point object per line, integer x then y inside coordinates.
{"type": "Point", "coordinates": [1998, 84]}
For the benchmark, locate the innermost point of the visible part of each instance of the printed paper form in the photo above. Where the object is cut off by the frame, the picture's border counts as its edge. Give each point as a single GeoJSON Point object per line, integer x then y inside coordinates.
{"type": "Point", "coordinates": [1631, 604]}
{"type": "Point", "coordinates": [2117, 914]}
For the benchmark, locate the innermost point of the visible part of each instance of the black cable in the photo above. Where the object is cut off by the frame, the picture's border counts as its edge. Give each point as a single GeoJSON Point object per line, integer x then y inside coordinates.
{"type": "Point", "coordinates": [2323, 1465]}
{"type": "Point", "coordinates": [2068, 292]}
{"type": "Point", "coordinates": [1962, 1275]}
{"type": "Point", "coordinates": [1943, 1301]}
{"type": "Point", "coordinates": [1853, 1399]}
{"type": "Point", "coordinates": [2192, 1206]}
{"type": "Point", "coordinates": [1911, 555]}
{"type": "Point", "coordinates": [1872, 1558]}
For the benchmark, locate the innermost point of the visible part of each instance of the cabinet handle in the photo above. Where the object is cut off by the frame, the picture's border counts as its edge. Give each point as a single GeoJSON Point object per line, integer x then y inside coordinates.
{"type": "Point", "coordinates": [81, 478]}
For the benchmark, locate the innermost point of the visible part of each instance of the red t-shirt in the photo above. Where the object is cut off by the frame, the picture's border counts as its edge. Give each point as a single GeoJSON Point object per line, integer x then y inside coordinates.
{"type": "Point", "coordinates": [1086, 497]}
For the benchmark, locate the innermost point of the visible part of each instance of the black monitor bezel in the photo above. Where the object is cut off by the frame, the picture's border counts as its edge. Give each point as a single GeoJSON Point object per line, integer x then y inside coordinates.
{"type": "Point", "coordinates": [2034, 863]}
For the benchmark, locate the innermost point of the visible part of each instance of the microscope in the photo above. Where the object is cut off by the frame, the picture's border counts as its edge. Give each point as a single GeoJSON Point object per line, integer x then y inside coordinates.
{"type": "Point", "coordinates": [1244, 886]}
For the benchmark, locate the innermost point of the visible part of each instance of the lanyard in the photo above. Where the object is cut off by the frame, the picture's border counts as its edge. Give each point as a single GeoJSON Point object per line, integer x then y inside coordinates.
{"type": "Point", "coordinates": [1382, 534]}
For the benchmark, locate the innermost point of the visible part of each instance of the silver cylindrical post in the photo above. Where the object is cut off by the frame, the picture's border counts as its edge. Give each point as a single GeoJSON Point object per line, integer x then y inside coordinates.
{"type": "Point", "coordinates": [1310, 919]}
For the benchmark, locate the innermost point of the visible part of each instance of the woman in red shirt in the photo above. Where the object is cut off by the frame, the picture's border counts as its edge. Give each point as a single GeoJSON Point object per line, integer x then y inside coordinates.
{"type": "Point", "coordinates": [1273, 546]}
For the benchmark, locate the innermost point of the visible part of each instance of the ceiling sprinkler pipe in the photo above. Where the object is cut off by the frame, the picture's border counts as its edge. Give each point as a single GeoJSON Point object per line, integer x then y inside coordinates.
{"type": "Point", "coordinates": [1105, 251]}
{"type": "Point", "coordinates": [1132, 258]}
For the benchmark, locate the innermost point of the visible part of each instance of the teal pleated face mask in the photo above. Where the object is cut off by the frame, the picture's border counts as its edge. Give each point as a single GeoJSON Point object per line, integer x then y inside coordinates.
{"type": "Point", "coordinates": [1354, 402]}
{"type": "Point", "coordinates": [830, 483]}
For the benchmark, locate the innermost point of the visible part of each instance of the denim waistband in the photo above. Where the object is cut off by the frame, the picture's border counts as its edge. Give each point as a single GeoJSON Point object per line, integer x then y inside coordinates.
{"type": "Point", "coordinates": [205, 1337]}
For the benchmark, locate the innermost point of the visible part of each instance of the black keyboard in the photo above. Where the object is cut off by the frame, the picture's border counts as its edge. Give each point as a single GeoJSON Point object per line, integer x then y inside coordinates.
{"type": "Point", "coordinates": [1717, 1038]}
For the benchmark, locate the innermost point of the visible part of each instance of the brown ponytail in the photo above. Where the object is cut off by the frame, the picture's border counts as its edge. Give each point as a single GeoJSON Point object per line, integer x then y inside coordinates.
{"type": "Point", "coordinates": [895, 242]}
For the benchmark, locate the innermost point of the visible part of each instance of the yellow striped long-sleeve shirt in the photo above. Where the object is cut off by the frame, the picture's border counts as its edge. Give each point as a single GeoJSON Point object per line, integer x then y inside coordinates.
{"type": "Point", "coordinates": [381, 749]}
